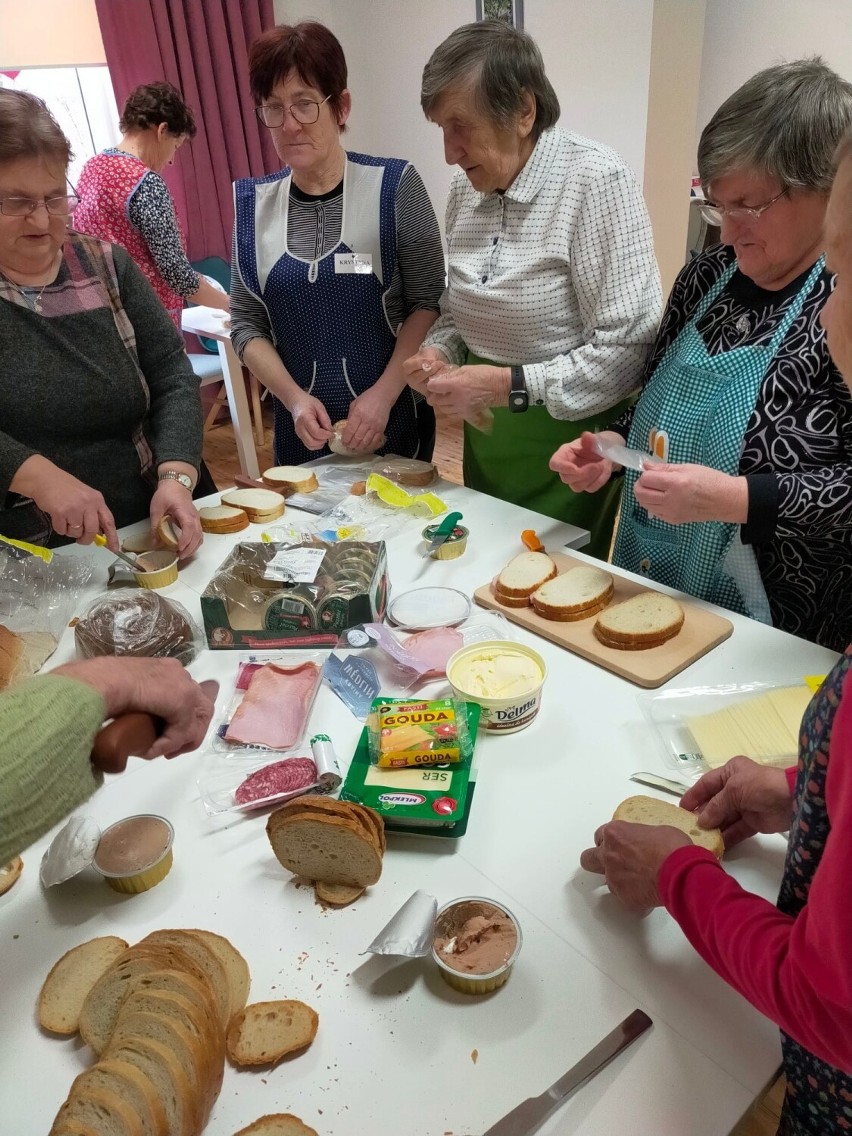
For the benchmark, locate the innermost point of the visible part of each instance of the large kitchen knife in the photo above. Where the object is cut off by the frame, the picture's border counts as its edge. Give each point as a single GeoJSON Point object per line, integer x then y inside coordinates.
{"type": "Point", "coordinates": [532, 1113]}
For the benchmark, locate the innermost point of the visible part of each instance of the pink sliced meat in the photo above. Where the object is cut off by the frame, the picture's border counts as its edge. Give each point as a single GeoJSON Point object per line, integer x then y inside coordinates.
{"type": "Point", "coordinates": [289, 776]}
{"type": "Point", "coordinates": [434, 647]}
{"type": "Point", "coordinates": [275, 707]}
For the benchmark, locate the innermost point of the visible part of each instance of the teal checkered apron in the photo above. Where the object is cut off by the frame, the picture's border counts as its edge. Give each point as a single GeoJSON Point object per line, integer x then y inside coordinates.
{"type": "Point", "coordinates": [696, 408]}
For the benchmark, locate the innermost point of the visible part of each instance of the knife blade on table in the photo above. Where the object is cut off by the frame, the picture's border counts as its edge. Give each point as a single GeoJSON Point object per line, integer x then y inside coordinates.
{"type": "Point", "coordinates": [443, 532]}
{"type": "Point", "coordinates": [532, 1113]}
{"type": "Point", "coordinates": [667, 786]}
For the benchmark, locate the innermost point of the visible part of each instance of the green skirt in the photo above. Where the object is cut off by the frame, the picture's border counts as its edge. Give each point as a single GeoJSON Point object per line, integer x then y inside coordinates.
{"type": "Point", "coordinates": [512, 463]}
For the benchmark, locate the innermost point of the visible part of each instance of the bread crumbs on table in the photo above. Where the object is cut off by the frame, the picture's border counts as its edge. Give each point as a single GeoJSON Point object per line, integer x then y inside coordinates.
{"type": "Point", "coordinates": [474, 1055]}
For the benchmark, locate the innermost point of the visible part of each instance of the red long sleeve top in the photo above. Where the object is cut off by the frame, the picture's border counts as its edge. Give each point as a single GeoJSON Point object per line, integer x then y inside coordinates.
{"type": "Point", "coordinates": [797, 970]}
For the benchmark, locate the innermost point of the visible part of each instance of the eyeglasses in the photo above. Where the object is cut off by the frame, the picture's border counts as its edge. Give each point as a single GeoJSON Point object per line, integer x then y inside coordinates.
{"type": "Point", "coordinates": [716, 214]}
{"type": "Point", "coordinates": [305, 112]}
{"type": "Point", "coordinates": [62, 206]}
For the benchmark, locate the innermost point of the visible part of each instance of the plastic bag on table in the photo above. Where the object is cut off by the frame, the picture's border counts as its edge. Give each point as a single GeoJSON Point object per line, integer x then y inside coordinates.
{"type": "Point", "coordinates": [270, 704]}
{"type": "Point", "coordinates": [140, 623]}
{"type": "Point", "coordinates": [38, 595]}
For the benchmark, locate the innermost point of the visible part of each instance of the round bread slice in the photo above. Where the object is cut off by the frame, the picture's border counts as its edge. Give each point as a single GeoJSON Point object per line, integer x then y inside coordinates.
{"type": "Point", "coordinates": [337, 895]}
{"type": "Point", "coordinates": [523, 574]}
{"type": "Point", "coordinates": [223, 519]}
{"type": "Point", "coordinates": [70, 980]}
{"type": "Point", "coordinates": [205, 957]}
{"type": "Point", "coordinates": [352, 821]}
{"type": "Point", "coordinates": [649, 810]}
{"type": "Point", "coordinates": [128, 1083]}
{"type": "Point", "coordinates": [324, 848]}
{"type": "Point", "coordinates": [509, 601]}
{"type": "Point", "coordinates": [163, 1069]}
{"type": "Point", "coordinates": [369, 821]}
{"type": "Point", "coordinates": [100, 1110]}
{"type": "Point", "coordinates": [290, 479]}
{"type": "Point", "coordinates": [9, 874]}
{"type": "Point", "coordinates": [168, 532]}
{"type": "Point", "coordinates": [645, 620]}
{"type": "Point", "coordinates": [236, 967]}
{"type": "Point", "coordinates": [267, 1031]}
{"type": "Point", "coordinates": [576, 594]}
{"type": "Point", "coordinates": [259, 504]}
{"type": "Point", "coordinates": [277, 1124]}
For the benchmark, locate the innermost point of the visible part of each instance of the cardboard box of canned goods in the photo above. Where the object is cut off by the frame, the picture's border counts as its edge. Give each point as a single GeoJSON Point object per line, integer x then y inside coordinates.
{"type": "Point", "coordinates": [304, 595]}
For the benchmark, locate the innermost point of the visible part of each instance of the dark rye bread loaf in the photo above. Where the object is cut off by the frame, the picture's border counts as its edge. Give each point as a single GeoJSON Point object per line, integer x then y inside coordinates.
{"type": "Point", "coordinates": [139, 623]}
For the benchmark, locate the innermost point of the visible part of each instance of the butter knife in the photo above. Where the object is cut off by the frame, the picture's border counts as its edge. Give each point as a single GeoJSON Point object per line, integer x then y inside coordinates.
{"type": "Point", "coordinates": [532, 1113]}
{"type": "Point", "coordinates": [673, 787]}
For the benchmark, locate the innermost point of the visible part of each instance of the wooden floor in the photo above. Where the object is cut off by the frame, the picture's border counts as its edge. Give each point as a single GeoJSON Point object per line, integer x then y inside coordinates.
{"type": "Point", "coordinates": [220, 453]}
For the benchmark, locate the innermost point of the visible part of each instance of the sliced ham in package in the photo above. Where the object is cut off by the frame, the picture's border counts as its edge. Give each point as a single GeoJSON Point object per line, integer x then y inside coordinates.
{"type": "Point", "coordinates": [271, 705]}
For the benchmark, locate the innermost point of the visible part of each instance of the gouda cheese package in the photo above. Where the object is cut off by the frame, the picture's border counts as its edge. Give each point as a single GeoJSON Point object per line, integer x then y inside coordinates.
{"type": "Point", "coordinates": [406, 732]}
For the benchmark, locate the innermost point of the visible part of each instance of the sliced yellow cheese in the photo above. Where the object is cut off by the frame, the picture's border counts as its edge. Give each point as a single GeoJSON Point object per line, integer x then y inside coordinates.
{"type": "Point", "coordinates": [764, 727]}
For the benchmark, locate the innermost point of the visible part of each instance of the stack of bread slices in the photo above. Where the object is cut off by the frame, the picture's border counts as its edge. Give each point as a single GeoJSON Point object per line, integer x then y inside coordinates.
{"type": "Point", "coordinates": [646, 620]}
{"type": "Point", "coordinates": [161, 1016]}
{"type": "Point", "coordinates": [531, 579]}
{"type": "Point", "coordinates": [288, 479]}
{"type": "Point", "coordinates": [259, 505]}
{"type": "Point", "coordinates": [337, 845]}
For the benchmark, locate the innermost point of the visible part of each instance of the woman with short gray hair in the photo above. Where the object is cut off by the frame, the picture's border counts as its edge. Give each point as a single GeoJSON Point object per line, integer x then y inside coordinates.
{"type": "Point", "coordinates": [553, 294]}
{"type": "Point", "coordinates": [753, 508]}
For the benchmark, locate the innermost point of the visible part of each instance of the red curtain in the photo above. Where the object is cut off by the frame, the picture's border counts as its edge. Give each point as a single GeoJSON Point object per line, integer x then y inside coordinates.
{"type": "Point", "coordinates": [202, 47]}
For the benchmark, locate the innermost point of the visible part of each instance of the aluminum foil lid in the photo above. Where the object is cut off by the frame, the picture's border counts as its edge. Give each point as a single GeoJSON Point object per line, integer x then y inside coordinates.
{"type": "Point", "coordinates": [410, 931]}
{"type": "Point", "coordinates": [71, 850]}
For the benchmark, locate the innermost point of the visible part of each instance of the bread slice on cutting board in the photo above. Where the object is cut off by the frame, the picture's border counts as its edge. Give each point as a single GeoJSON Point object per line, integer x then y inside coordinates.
{"type": "Point", "coordinates": [648, 810]}
{"type": "Point", "coordinates": [648, 619]}
{"type": "Point", "coordinates": [259, 504]}
{"type": "Point", "coordinates": [576, 594]}
{"type": "Point", "coordinates": [521, 576]}
{"type": "Point", "coordinates": [290, 479]}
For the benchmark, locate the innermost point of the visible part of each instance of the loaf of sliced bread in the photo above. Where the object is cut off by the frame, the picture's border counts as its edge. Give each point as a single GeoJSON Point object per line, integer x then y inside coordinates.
{"type": "Point", "coordinates": [100, 1110]}
{"type": "Point", "coordinates": [330, 849]}
{"type": "Point", "coordinates": [267, 1031]}
{"type": "Point", "coordinates": [645, 620]}
{"type": "Point", "coordinates": [523, 574]}
{"type": "Point", "coordinates": [363, 819]}
{"type": "Point", "coordinates": [203, 955]}
{"type": "Point", "coordinates": [649, 810]}
{"type": "Point", "coordinates": [163, 1069]}
{"type": "Point", "coordinates": [222, 519]}
{"type": "Point", "coordinates": [70, 980]}
{"type": "Point", "coordinates": [277, 1124]}
{"type": "Point", "coordinates": [576, 594]}
{"type": "Point", "coordinates": [260, 505]}
{"type": "Point", "coordinates": [128, 1083]}
{"type": "Point", "coordinates": [289, 479]}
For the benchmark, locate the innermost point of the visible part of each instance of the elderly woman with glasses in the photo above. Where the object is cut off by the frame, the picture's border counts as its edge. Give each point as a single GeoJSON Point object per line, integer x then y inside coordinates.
{"type": "Point", "coordinates": [750, 505]}
{"type": "Point", "coordinates": [100, 415]}
{"type": "Point", "coordinates": [553, 296]}
{"type": "Point", "coordinates": [338, 267]}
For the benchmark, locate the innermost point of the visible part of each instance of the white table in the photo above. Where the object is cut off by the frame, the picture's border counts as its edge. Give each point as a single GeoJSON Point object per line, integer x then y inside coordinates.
{"type": "Point", "coordinates": [393, 1056]}
{"type": "Point", "coordinates": [202, 320]}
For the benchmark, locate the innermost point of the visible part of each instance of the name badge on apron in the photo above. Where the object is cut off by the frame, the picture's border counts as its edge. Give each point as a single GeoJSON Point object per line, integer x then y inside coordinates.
{"type": "Point", "coordinates": [353, 262]}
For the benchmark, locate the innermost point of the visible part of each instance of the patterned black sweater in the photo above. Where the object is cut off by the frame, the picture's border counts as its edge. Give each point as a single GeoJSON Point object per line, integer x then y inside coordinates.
{"type": "Point", "coordinates": [797, 449]}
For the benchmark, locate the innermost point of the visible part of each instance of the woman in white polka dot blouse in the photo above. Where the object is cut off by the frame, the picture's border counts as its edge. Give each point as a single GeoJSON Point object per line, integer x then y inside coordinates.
{"type": "Point", "coordinates": [338, 267]}
{"type": "Point", "coordinates": [553, 297]}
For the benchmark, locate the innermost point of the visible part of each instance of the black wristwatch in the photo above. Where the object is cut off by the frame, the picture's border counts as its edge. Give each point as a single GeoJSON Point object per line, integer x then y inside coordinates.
{"type": "Point", "coordinates": [519, 400]}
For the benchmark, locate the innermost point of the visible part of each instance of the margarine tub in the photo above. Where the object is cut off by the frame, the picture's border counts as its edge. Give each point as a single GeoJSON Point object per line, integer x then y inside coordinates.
{"type": "Point", "coordinates": [504, 678]}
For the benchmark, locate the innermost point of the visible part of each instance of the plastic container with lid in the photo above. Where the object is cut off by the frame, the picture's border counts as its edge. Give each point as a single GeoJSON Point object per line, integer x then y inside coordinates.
{"type": "Point", "coordinates": [472, 915]}
{"type": "Point", "coordinates": [505, 678]}
{"type": "Point", "coordinates": [133, 855]}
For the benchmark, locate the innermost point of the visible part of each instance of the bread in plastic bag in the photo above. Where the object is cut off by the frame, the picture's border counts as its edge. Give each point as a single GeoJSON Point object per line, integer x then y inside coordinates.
{"type": "Point", "coordinates": [139, 623]}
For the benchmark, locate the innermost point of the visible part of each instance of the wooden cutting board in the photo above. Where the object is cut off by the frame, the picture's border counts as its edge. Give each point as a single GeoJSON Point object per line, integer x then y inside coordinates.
{"type": "Point", "coordinates": [702, 631]}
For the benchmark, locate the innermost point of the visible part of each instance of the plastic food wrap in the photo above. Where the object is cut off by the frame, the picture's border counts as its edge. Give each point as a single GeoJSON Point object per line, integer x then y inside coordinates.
{"type": "Point", "coordinates": [413, 732]}
{"type": "Point", "coordinates": [271, 703]}
{"type": "Point", "coordinates": [228, 787]}
{"type": "Point", "coordinates": [279, 595]}
{"type": "Point", "coordinates": [140, 623]}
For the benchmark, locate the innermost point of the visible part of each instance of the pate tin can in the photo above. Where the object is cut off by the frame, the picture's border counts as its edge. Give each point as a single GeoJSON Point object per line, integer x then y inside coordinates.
{"type": "Point", "coordinates": [453, 546]}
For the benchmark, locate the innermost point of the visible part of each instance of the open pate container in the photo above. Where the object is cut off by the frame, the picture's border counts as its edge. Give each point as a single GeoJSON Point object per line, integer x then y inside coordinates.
{"type": "Point", "coordinates": [474, 941]}
{"type": "Point", "coordinates": [133, 854]}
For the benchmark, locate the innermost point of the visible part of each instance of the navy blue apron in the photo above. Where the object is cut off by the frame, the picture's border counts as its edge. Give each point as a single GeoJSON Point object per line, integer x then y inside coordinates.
{"type": "Point", "coordinates": [328, 315]}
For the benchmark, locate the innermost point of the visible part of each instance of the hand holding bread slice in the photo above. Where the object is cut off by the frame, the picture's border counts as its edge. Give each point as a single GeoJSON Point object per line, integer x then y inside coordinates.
{"type": "Point", "coordinates": [649, 810]}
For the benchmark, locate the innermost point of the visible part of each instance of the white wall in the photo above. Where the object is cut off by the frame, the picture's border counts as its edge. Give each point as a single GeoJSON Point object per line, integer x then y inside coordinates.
{"type": "Point", "coordinates": [745, 36]}
{"type": "Point", "coordinates": [597, 56]}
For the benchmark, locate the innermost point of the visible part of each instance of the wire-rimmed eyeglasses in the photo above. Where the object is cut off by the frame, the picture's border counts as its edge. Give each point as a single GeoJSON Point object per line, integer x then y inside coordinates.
{"type": "Point", "coordinates": [304, 111]}
{"type": "Point", "coordinates": [716, 214]}
{"type": "Point", "coordinates": [61, 206]}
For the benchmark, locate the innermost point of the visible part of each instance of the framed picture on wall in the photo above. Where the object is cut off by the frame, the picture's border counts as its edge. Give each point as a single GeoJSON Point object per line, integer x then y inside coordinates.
{"type": "Point", "coordinates": [512, 11]}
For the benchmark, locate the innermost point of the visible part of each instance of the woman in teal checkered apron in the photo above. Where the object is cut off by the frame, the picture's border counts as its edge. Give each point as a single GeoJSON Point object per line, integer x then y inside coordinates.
{"type": "Point", "coordinates": [696, 409]}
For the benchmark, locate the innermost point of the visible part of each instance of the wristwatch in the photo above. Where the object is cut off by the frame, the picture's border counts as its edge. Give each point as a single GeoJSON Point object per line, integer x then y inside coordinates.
{"type": "Point", "coordinates": [172, 475]}
{"type": "Point", "coordinates": [519, 400]}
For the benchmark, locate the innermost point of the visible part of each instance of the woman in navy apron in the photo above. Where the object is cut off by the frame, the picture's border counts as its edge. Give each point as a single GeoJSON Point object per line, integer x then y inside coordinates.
{"type": "Point", "coordinates": [741, 401]}
{"type": "Point", "coordinates": [338, 267]}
